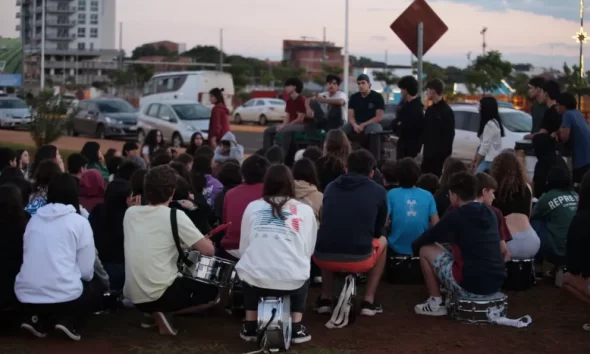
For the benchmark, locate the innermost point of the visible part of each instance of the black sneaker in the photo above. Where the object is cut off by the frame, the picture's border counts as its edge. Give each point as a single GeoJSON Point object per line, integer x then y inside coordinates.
{"type": "Point", "coordinates": [68, 330]}
{"type": "Point", "coordinates": [249, 331]}
{"type": "Point", "coordinates": [370, 309]}
{"type": "Point", "coordinates": [299, 334]}
{"type": "Point", "coordinates": [323, 306]}
{"type": "Point", "coordinates": [35, 326]}
{"type": "Point", "coordinates": [148, 321]}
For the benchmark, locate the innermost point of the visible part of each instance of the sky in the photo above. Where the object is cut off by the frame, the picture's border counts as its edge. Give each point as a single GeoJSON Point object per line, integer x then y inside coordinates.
{"type": "Point", "coordinates": [530, 31]}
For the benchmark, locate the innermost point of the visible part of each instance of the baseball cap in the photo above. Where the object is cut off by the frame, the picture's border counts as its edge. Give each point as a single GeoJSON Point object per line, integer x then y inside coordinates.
{"type": "Point", "coordinates": [363, 77]}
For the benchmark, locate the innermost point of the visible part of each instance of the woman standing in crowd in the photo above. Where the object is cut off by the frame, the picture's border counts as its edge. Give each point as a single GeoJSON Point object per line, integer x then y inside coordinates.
{"type": "Point", "coordinates": [91, 150]}
{"type": "Point", "coordinates": [195, 143]}
{"type": "Point", "coordinates": [219, 123]}
{"type": "Point", "coordinates": [490, 134]}
{"type": "Point", "coordinates": [450, 167]}
{"type": "Point", "coordinates": [13, 221]}
{"type": "Point", "coordinates": [154, 141]}
{"type": "Point", "coordinates": [46, 171]}
{"type": "Point", "coordinates": [22, 161]}
{"type": "Point", "coordinates": [45, 152]}
{"type": "Point", "coordinates": [514, 199]}
{"type": "Point", "coordinates": [58, 258]}
{"type": "Point", "coordinates": [279, 264]}
{"type": "Point", "coordinates": [92, 187]}
{"type": "Point", "coordinates": [333, 163]}
{"type": "Point", "coordinates": [307, 184]}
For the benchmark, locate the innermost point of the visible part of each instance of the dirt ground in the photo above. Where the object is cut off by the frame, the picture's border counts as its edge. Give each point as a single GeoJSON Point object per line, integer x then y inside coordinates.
{"type": "Point", "coordinates": [556, 327]}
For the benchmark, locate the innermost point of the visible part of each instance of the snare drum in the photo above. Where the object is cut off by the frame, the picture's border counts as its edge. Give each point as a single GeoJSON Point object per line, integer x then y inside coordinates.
{"type": "Point", "coordinates": [480, 310]}
{"type": "Point", "coordinates": [210, 270]}
{"type": "Point", "coordinates": [520, 274]}
{"type": "Point", "coordinates": [277, 327]}
{"type": "Point", "coordinates": [404, 270]}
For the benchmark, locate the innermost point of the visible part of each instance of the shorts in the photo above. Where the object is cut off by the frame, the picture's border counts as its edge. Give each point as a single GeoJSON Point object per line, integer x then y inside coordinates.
{"type": "Point", "coordinates": [181, 294]}
{"type": "Point", "coordinates": [443, 268]}
{"type": "Point", "coordinates": [352, 267]}
{"type": "Point", "coordinates": [252, 294]}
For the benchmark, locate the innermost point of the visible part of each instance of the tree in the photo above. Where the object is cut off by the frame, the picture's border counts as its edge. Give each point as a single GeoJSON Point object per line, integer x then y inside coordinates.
{"type": "Point", "coordinates": [520, 84]}
{"type": "Point", "coordinates": [487, 72]}
{"type": "Point", "coordinates": [148, 50]}
{"type": "Point", "coordinates": [386, 76]}
{"type": "Point", "coordinates": [47, 123]}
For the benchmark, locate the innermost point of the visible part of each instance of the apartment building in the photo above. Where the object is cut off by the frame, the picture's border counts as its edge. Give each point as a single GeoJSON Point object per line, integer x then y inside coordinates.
{"type": "Point", "coordinates": [312, 55]}
{"type": "Point", "coordinates": [80, 43]}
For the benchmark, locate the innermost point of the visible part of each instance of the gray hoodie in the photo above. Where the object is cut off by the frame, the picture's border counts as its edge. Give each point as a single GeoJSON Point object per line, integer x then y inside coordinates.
{"type": "Point", "coordinates": [235, 152]}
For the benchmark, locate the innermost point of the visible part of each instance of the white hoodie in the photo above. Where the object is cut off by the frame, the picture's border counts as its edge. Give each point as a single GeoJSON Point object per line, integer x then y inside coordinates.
{"type": "Point", "coordinates": [276, 254]}
{"type": "Point", "coordinates": [58, 252]}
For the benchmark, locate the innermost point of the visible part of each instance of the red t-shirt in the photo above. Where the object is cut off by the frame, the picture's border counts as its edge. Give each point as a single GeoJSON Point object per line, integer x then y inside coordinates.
{"type": "Point", "coordinates": [294, 107]}
{"type": "Point", "coordinates": [505, 234]}
{"type": "Point", "coordinates": [234, 204]}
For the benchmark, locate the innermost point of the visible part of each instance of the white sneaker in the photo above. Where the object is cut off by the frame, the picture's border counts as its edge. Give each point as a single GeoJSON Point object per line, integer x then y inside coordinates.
{"type": "Point", "coordinates": [430, 308]}
{"type": "Point", "coordinates": [559, 278]}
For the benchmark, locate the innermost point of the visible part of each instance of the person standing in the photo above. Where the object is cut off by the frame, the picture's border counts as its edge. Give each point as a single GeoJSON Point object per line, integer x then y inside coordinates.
{"type": "Point", "coordinates": [439, 130]}
{"type": "Point", "coordinates": [409, 123]}
{"type": "Point", "coordinates": [537, 109]}
{"type": "Point", "coordinates": [490, 135]}
{"type": "Point", "coordinates": [574, 128]}
{"type": "Point", "coordinates": [219, 123]}
{"type": "Point", "coordinates": [551, 117]}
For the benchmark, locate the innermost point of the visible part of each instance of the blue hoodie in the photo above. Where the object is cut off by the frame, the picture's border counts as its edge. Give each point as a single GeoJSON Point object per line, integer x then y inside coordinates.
{"type": "Point", "coordinates": [235, 152]}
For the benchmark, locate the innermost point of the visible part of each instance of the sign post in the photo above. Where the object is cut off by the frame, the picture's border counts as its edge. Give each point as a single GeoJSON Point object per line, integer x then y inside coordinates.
{"type": "Point", "coordinates": [420, 63]}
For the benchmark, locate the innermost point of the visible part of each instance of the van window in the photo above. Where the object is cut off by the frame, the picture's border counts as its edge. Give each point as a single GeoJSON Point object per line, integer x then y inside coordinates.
{"type": "Point", "coordinates": [192, 111]}
{"type": "Point", "coordinates": [153, 110]}
{"type": "Point", "coordinates": [163, 84]}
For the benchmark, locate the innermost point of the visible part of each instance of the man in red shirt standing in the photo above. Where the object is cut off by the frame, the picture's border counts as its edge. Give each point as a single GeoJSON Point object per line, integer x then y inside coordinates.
{"type": "Point", "coordinates": [296, 109]}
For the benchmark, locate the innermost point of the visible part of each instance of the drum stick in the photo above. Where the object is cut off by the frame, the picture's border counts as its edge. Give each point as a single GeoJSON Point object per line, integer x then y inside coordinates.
{"type": "Point", "coordinates": [218, 229]}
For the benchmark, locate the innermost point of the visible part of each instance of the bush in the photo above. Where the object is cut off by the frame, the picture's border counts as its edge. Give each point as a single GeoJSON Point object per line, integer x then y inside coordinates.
{"type": "Point", "coordinates": [48, 121]}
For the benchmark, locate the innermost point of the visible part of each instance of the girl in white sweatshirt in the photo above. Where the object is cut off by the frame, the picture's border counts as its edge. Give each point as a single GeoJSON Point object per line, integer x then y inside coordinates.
{"type": "Point", "coordinates": [278, 237]}
{"type": "Point", "coordinates": [58, 255]}
{"type": "Point", "coordinates": [490, 134]}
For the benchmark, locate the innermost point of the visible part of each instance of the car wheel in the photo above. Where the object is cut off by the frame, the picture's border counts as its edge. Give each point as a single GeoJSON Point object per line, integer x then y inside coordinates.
{"type": "Point", "coordinates": [140, 136]}
{"type": "Point", "coordinates": [176, 140]}
{"type": "Point", "coordinates": [263, 120]}
{"type": "Point", "coordinates": [237, 119]}
{"type": "Point", "coordinates": [100, 132]}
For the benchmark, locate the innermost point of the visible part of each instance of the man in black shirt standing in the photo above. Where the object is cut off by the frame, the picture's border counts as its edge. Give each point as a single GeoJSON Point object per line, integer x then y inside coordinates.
{"type": "Point", "coordinates": [365, 111]}
{"type": "Point", "coordinates": [409, 123]}
{"type": "Point", "coordinates": [439, 130]}
{"type": "Point", "coordinates": [537, 109]}
{"type": "Point", "coordinates": [551, 120]}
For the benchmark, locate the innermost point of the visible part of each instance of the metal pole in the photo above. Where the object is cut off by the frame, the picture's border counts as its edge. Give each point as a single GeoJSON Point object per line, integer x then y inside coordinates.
{"type": "Point", "coordinates": [121, 45]}
{"type": "Point", "coordinates": [324, 49]}
{"type": "Point", "coordinates": [221, 49]}
{"type": "Point", "coordinates": [346, 60]}
{"type": "Point", "coordinates": [420, 59]}
{"type": "Point", "coordinates": [43, 19]}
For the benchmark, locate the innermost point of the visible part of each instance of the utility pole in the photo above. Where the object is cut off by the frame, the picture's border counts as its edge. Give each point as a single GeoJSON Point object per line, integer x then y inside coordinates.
{"type": "Point", "coordinates": [324, 49]}
{"type": "Point", "coordinates": [483, 44]}
{"type": "Point", "coordinates": [468, 58]}
{"type": "Point", "coordinates": [121, 46]}
{"type": "Point", "coordinates": [221, 49]}
{"type": "Point", "coordinates": [346, 55]}
{"type": "Point", "coordinates": [43, 20]}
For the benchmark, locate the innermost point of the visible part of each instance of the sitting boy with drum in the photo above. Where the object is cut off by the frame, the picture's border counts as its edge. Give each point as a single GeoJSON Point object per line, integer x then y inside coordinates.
{"type": "Point", "coordinates": [152, 280]}
{"type": "Point", "coordinates": [475, 268]}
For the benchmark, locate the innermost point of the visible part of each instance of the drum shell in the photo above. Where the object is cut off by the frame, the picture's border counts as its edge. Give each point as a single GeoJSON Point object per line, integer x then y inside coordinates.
{"type": "Point", "coordinates": [520, 274]}
{"type": "Point", "coordinates": [278, 331]}
{"type": "Point", "coordinates": [404, 270]}
{"type": "Point", "coordinates": [210, 270]}
{"type": "Point", "coordinates": [476, 311]}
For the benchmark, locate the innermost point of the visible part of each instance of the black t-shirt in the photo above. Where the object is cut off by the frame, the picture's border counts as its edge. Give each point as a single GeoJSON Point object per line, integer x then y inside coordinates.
{"type": "Point", "coordinates": [365, 108]}
{"type": "Point", "coordinates": [578, 245]}
{"type": "Point", "coordinates": [551, 120]}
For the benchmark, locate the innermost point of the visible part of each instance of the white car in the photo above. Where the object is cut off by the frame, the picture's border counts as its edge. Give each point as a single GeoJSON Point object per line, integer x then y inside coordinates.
{"type": "Point", "coordinates": [516, 124]}
{"type": "Point", "coordinates": [260, 110]}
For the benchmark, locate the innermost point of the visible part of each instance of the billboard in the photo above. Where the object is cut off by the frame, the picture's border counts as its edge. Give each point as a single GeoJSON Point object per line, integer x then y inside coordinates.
{"type": "Point", "coordinates": [11, 62]}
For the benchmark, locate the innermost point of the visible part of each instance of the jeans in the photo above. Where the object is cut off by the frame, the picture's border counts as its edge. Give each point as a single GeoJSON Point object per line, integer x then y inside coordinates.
{"type": "Point", "coordinates": [483, 166]}
{"type": "Point", "coordinates": [288, 133]}
{"type": "Point", "coordinates": [298, 297]}
{"type": "Point", "coordinates": [547, 250]}
{"type": "Point", "coordinates": [116, 272]}
{"type": "Point", "coordinates": [373, 130]}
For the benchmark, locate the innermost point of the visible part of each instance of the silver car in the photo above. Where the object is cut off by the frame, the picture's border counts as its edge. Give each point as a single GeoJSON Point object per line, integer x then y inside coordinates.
{"type": "Point", "coordinates": [14, 113]}
{"type": "Point", "coordinates": [105, 118]}
{"type": "Point", "coordinates": [178, 120]}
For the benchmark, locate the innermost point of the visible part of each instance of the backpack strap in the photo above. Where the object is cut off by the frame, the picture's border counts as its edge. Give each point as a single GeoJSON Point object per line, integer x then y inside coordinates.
{"type": "Point", "coordinates": [174, 225]}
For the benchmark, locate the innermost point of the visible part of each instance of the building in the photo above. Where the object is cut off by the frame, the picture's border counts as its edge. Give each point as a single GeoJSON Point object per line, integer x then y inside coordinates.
{"type": "Point", "coordinates": [172, 47]}
{"type": "Point", "coordinates": [76, 32]}
{"type": "Point", "coordinates": [312, 55]}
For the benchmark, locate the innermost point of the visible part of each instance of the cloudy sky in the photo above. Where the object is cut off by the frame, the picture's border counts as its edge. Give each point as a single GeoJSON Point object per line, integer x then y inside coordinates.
{"type": "Point", "coordinates": [535, 31]}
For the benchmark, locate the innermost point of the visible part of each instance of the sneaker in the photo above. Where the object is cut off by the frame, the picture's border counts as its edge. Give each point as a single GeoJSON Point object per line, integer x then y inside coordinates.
{"type": "Point", "coordinates": [317, 280]}
{"type": "Point", "coordinates": [586, 327]}
{"type": "Point", "coordinates": [127, 303]}
{"type": "Point", "coordinates": [34, 326]}
{"type": "Point", "coordinates": [148, 321]}
{"type": "Point", "coordinates": [164, 325]}
{"type": "Point", "coordinates": [249, 331]}
{"type": "Point", "coordinates": [300, 334]}
{"type": "Point", "coordinates": [430, 308]}
{"type": "Point", "coordinates": [323, 306]}
{"type": "Point", "coordinates": [68, 330]}
{"type": "Point", "coordinates": [371, 309]}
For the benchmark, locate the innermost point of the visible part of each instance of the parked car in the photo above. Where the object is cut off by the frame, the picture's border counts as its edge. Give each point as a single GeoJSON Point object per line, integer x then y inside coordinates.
{"type": "Point", "coordinates": [104, 118]}
{"type": "Point", "coordinates": [260, 110]}
{"type": "Point", "coordinates": [14, 112]}
{"type": "Point", "coordinates": [176, 119]}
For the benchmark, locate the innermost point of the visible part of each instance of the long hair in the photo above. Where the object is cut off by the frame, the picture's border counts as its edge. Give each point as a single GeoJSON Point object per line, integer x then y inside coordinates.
{"type": "Point", "coordinates": [63, 189]}
{"type": "Point", "coordinates": [192, 147]}
{"type": "Point", "coordinates": [584, 201]}
{"type": "Point", "coordinates": [90, 151]}
{"type": "Point", "coordinates": [337, 147]}
{"type": "Point", "coordinates": [450, 167]}
{"type": "Point", "coordinates": [115, 202]}
{"type": "Point", "coordinates": [151, 141]}
{"type": "Point", "coordinates": [510, 174]}
{"type": "Point", "coordinates": [45, 152]}
{"type": "Point", "coordinates": [218, 94]}
{"type": "Point", "coordinates": [305, 170]}
{"type": "Point", "coordinates": [488, 110]}
{"type": "Point", "coordinates": [279, 187]}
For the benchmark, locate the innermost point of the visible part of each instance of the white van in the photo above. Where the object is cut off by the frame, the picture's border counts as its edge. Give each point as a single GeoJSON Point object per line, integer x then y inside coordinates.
{"type": "Point", "coordinates": [188, 85]}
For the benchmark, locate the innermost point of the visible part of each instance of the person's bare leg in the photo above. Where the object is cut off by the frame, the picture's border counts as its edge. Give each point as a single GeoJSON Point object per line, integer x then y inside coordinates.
{"type": "Point", "coordinates": [428, 254]}
{"type": "Point", "coordinates": [577, 286]}
{"type": "Point", "coordinates": [376, 273]}
{"type": "Point", "coordinates": [296, 317]}
{"type": "Point", "coordinates": [327, 284]}
{"type": "Point", "coordinates": [251, 315]}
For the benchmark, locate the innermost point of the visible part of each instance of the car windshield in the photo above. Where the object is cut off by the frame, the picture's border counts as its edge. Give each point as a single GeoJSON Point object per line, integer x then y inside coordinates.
{"type": "Point", "coordinates": [517, 121]}
{"type": "Point", "coordinates": [191, 111]}
{"type": "Point", "coordinates": [13, 104]}
{"type": "Point", "coordinates": [115, 106]}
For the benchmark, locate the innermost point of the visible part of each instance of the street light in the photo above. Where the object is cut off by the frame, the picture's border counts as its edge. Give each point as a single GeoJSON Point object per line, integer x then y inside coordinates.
{"type": "Point", "coordinates": [581, 37]}
{"type": "Point", "coordinates": [43, 19]}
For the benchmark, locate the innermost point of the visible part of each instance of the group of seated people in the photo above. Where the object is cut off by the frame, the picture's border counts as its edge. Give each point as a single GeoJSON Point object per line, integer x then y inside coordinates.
{"type": "Point", "coordinates": [71, 236]}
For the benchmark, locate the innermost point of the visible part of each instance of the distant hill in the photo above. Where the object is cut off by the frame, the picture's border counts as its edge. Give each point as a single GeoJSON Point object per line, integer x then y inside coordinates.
{"type": "Point", "coordinates": [10, 55]}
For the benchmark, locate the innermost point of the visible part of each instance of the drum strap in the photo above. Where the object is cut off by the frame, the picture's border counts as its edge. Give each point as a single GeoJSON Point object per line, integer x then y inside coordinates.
{"type": "Point", "coordinates": [174, 224]}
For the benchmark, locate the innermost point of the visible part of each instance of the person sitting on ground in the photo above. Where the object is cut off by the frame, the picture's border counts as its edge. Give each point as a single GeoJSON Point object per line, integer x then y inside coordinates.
{"type": "Point", "coordinates": [412, 210]}
{"type": "Point", "coordinates": [553, 214]}
{"type": "Point", "coordinates": [58, 263]}
{"type": "Point", "coordinates": [193, 205]}
{"type": "Point", "coordinates": [126, 170]}
{"type": "Point", "coordinates": [228, 149]}
{"type": "Point", "coordinates": [159, 158]}
{"type": "Point", "coordinates": [203, 180]}
{"type": "Point", "coordinates": [15, 176]}
{"type": "Point", "coordinates": [514, 199]}
{"type": "Point", "coordinates": [237, 199]}
{"type": "Point", "coordinates": [306, 185]}
{"type": "Point", "coordinates": [352, 228]}
{"type": "Point", "coordinates": [450, 167]}
{"type": "Point", "coordinates": [476, 267]}
{"type": "Point", "coordinates": [152, 280]}
{"type": "Point", "coordinates": [91, 150]}
{"type": "Point", "coordinates": [275, 155]}
{"type": "Point", "coordinates": [429, 182]}
{"type": "Point", "coordinates": [130, 150]}
{"type": "Point", "coordinates": [230, 176]}
{"type": "Point", "coordinates": [111, 153]}
{"type": "Point", "coordinates": [46, 171]}
{"type": "Point", "coordinates": [7, 158]}
{"type": "Point", "coordinates": [313, 153]}
{"type": "Point", "coordinates": [113, 165]}
{"type": "Point", "coordinates": [22, 161]}
{"type": "Point", "coordinates": [45, 152]}
{"type": "Point", "coordinates": [154, 141]}
{"type": "Point", "coordinates": [185, 159]}
{"type": "Point", "coordinates": [333, 162]}
{"type": "Point", "coordinates": [388, 171]}
{"type": "Point", "coordinates": [92, 188]}
{"type": "Point", "coordinates": [547, 158]}
{"type": "Point", "coordinates": [278, 264]}
{"type": "Point", "coordinates": [577, 279]}
{"type": "Point", "coordinates": [77, 165]}
{"type": "Point", "coordinates": [195, 143]}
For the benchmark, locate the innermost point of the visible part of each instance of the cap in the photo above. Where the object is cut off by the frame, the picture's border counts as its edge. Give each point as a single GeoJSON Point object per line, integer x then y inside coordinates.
{"type": "Point", "coordinates": [363, 77]}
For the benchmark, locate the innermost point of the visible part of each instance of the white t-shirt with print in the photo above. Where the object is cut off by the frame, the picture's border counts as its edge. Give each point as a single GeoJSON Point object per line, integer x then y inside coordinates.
{"type": "Point", "coordinates": [150, 252]}
{"type": "Point", "coordinates": [339, 95]}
